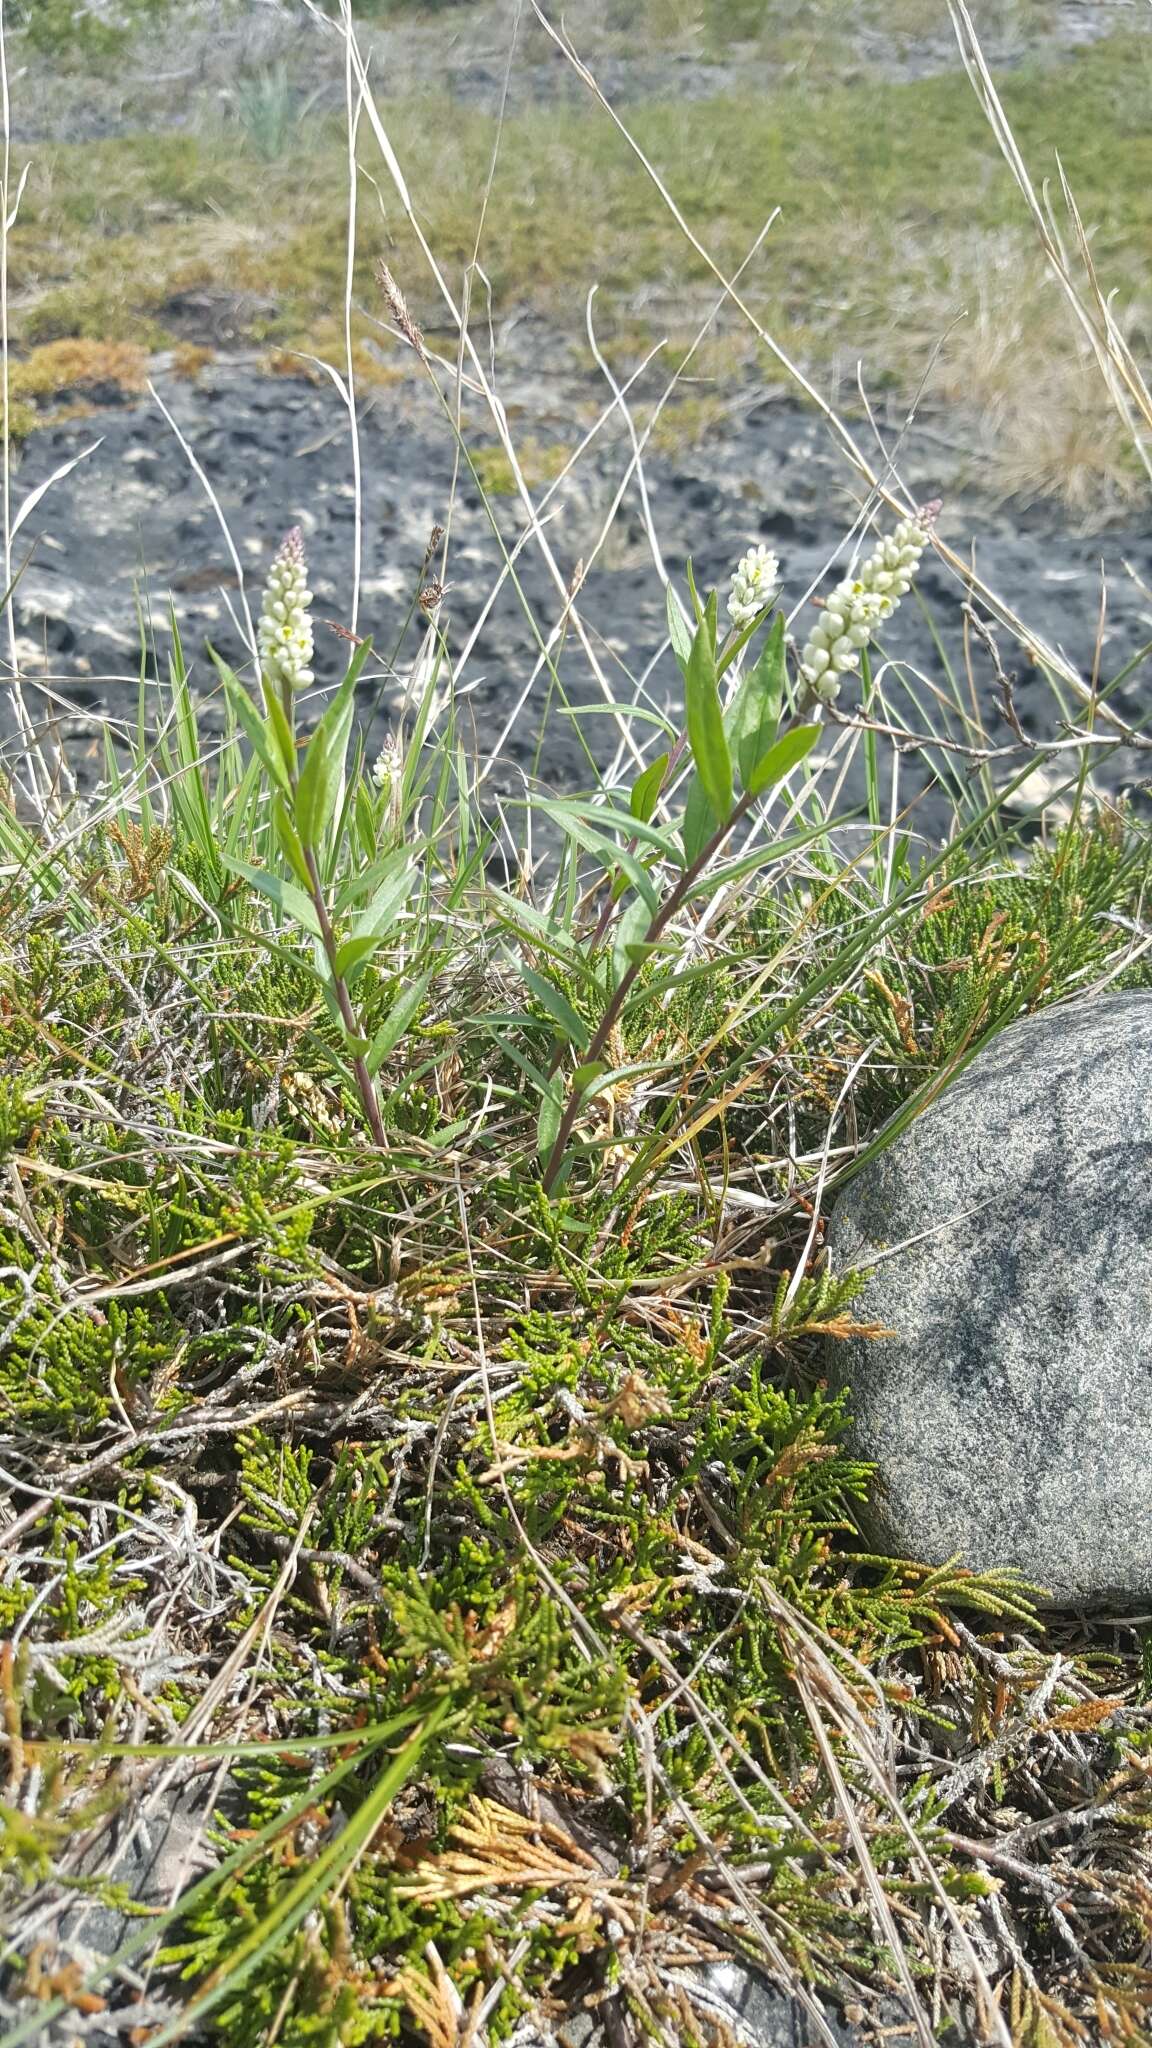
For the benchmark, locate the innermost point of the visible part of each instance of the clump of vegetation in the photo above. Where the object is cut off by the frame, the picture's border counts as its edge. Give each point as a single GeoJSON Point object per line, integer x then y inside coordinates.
{"type": "Point", "coordinates": [413, 1334]}
{"type": "Point", "coordinates": [84, 33]}
{"type": "Point", "coordinates": [360, 1319]}
{"type": "Point", "coordinates": [539, 462]}
{"type": "Point", "coordinates": [61, 368]}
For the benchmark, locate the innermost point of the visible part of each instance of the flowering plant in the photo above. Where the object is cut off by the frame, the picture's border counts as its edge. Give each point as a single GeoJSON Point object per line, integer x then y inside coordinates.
{"type": "Point", "coordinates": [858, 605]}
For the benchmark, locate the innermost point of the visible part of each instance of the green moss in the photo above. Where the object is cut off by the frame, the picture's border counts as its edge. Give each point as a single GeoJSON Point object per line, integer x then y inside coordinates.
{"type": "Point", "coordinates": [540, 463]}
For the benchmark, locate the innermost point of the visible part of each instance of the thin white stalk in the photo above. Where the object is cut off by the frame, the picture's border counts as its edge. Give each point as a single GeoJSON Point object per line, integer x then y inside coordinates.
{"type": "Point", "coordinates": [352, 119]}
{"type": "Point", "coordinates": [40, 776]}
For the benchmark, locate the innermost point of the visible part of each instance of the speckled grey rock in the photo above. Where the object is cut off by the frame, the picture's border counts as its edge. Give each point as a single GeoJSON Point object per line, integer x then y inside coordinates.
{"type": "Point", "coordinates": [733, 2003]}
{"type": "Point", "coordinates": [1010, 1416]}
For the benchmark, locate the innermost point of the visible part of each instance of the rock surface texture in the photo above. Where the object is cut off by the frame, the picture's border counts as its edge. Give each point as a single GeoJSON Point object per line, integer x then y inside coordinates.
{"type": "Point", "coordinates": [1008, 1241]}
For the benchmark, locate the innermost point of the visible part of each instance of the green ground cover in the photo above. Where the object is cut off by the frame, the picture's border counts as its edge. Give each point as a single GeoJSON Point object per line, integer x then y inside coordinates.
{"type": "Point", "coordinates": [414, 1317]}
{"type": "Point", "coordinates": [494, 1420]}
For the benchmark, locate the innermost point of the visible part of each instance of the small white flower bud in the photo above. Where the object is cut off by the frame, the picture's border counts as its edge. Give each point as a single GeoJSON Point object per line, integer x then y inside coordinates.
{"type": "Point", "coordinates": [754, 583]}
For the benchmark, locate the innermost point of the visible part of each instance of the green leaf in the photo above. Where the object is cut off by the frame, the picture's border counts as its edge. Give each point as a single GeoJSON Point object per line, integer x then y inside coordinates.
{"type": "Point", "coordinates": [289, 839]}
{"type": "Point", "coordinates": [612, 855]}
{"type": "Point", "coordinates": [370, 879]}
{"type": "Point", "coordinates": [374, 923]}
{"type": "Point", "coordinates": [679, 631]}
{"type": "Point", "coordinates": [320, 778]}
{"type": "Point", "coordinates": [780, 760]}
{"type": "Point", "coordinates": [646, 789]}
{"type": "Point", "coordinates": [390, 897]}
{"type": "Point", "coordinates": [727, 872]}
{"type": "Point", "coordinates": [253, 723]}
{"type": "Point", "coordinates": [584, 1076]}
{"type": "Point", "coordinates": [642, 951]}
{"type": "Point", "coordinates": [697, 607]}
{"type": "Point", "coordinates": [753, 717]}
{"type": "Point", "coordinates": [281, 735]}
{"type": "Point", "coordinates": [631, 927]}
{"type": "Point", "coordinates": [558, 1007]}
{"type": "Point", "coordinates": [604, 817]}
{"type": "Point", "coordinates": [397, 1021]}
{"type": "Point", "coordinates": [698, 823]}
{"type": "Point", "coordinates": [548, 1120]}
{"type": "Point", "coordinates": [705, 720]}
{"type": "Point", "coordinates": [532, 926]}
{"type": "Point", "coordinates": [636, 713]}
{"type": "Point", "coordinates": [285, 895]}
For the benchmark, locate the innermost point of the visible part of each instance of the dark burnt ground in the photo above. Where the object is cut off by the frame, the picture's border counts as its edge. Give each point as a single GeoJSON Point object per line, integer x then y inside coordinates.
{"type": "Point", "coordinates": [132, 523]}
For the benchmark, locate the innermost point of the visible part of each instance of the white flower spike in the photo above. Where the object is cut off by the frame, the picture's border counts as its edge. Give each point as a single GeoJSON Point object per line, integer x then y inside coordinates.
{"type": "Point", "coordinates": [754, 585]}
{"type": "Point", "coordinates": [386, 763]}
{"type": "Point", "coordinates": [859, 604]}
{"type": "Point", "coordinates": [285, 632]}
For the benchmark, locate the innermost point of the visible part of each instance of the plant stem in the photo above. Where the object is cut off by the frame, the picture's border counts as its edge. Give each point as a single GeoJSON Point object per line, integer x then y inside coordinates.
{"type": "Point", "coordinates": [607, 1024]}
{"type": "Point", "coordinates": [674, 760]}
{"type": "Point", "coordinates": [364, 1081]}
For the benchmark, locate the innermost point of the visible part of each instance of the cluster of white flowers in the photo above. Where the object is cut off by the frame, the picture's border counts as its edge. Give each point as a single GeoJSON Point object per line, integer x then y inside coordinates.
{"type": "Point", "coordinates": [285, 631]}
{"type": "Point", "coordinates": [857, 606]}
{"type": "Point", "coordinates": [754, 584]}
{"type": "Point", "coordinates": [387, 762]}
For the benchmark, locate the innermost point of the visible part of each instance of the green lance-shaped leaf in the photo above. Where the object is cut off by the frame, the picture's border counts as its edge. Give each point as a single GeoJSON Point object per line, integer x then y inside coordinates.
{"type": "Point", "coordinates": [396, 1023]}
{"type": "Point", "coordinates": [705, 720]}
{"type": "Point", "coordinates": [322, 776]}
{"type": "Point", "coordinates": [646, 789]}
{"type": "Point", "coordinates": [285, 895]}
{"type": "Point", "coordinates": [753, 716]}
{"type": "Point", "coordinates": [290, 844]}
{"type": "Point", "coordinates": [266, 740]}
{"type": "Point", "coordinates": [550, 1114]}
{"type": "Point", "coordinates": [587, 1076]}
{"type": "Point", "coordinates": [780, 760]}
{"type": "Point", "coordinates": [679, 631]}
{"type": "Point", "coordinates": [631, 928]}
{"type": "Point", "coordinates": [376, 921]}
{"type": "Point", "coordinates": [698, 824]}
{"type": "Point", "coordinates": [568, 1022]}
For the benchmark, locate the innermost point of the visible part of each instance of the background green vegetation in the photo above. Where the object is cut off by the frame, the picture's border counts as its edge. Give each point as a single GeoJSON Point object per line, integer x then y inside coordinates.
{"type": "Point", "coordinates": [899, 242]}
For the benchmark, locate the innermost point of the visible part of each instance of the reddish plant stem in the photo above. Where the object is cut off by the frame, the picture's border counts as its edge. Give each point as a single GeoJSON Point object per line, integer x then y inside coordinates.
{"type": "Point", "coordinates": [364, 1081]}
{"type": "Point", "coordinates": [660, 922]}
